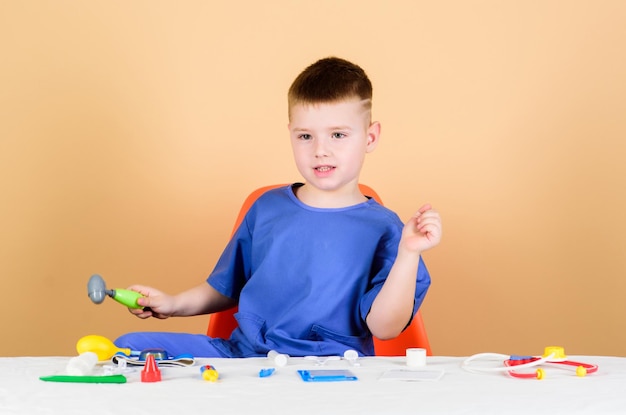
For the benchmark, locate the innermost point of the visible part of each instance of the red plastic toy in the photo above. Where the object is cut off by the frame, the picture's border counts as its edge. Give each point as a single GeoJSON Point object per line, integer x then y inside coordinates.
{"type": "Point", "coordinates": [151, 371]}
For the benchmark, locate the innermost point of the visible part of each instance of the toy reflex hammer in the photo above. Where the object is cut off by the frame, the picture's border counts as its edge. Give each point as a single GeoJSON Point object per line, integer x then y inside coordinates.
{"type": "Point", "coordinates": [97, 292]}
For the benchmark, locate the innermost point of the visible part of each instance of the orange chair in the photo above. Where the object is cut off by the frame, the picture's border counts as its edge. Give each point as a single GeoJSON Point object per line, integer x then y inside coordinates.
{"type": "Point", "coordinates": [223, 323]}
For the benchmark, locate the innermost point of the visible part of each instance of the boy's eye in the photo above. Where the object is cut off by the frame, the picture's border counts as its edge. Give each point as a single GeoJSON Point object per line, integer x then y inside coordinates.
{"type": "Point", "coordinates": [304, 136]}
{"type": "Point", "coordinates": [338, 135]}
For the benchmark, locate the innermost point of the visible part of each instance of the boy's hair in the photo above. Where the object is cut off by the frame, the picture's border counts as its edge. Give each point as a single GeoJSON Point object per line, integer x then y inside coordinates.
{"type": "Point", "coordinates": [330, 80]}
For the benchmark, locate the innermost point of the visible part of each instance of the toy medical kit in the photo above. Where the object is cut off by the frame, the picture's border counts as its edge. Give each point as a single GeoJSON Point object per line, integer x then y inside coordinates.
{"type": "Point", "coordinates": [263, 373]}
{"type": "Point", "coordinates": [415, 357]}
{"type": "Point", "coordinates": [97, 292]}
{"type": "Point", "coordinates": [101, 346]}
{"type": "Point", "coordinates": [279, 359]}
{"type": "Point", "coordinates": [351, 356]}
{"type": "Point", "coordinates": [321, 360]}
{"type": "Point", "coordinates": [514, 365]}
{"type": "Point", "coordinates": [85, 379]}
{"type": "Point", "coordinates": [151, 371]}
{"type": "Point", "coordinates": [326, 375]}
{"type": "Point", "coordinates": [81, 368]}
{"type": "Point", "coordinates": [159, 355]}
{"type": "Point", "coordinates": [119, 368]}
{"type": "Point", "coordinates": [82, 365]}
{"type": "Point", "coordinates": [209, 373]}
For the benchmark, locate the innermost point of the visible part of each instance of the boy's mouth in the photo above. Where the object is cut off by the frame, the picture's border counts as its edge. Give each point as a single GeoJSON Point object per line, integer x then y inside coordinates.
{"type": "Point", "coordinates": [323, 171]}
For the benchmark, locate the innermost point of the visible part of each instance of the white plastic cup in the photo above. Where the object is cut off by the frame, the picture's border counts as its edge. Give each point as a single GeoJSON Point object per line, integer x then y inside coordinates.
{"type": "Point", "coordinates": [280, 359]}
{"type": "Point", "coordinates": [415, 357]}
{"type": "Point", "coordinates": [350, 354]}
{"type": "Point", "coordinates": [82, 365]}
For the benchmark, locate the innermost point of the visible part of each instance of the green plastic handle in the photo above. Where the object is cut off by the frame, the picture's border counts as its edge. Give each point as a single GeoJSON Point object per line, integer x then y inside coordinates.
{"type": "Point", "coordinates": [85, 379]}
{"type": "Point", "coordinates": [127, 297]}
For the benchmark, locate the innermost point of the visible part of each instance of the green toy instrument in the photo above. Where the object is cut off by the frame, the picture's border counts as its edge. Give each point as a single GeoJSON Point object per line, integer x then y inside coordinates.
{"type": "Point", "coordinates": [97, 292]}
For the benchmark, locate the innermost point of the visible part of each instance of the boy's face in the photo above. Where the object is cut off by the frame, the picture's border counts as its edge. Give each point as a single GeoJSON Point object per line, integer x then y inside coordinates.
{"type": "Point", "coordinates": [330, 141]}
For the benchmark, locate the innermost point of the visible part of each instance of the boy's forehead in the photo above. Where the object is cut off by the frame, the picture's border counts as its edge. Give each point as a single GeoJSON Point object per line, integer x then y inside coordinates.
{"type": "Point", "coordinates": [348, 107]}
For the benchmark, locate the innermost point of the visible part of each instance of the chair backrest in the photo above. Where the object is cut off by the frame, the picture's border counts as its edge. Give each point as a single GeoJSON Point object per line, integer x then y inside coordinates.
{"type": "Point", "coordinates": [223, 323]}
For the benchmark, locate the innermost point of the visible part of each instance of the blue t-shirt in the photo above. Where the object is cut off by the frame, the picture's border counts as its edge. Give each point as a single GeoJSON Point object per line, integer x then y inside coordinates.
{"type": "Point", "coordinates": [305, 278]}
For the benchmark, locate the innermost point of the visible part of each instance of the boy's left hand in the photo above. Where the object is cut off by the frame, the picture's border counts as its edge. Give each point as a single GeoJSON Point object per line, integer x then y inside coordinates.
{"type": "Point", "coordinates": [422, 231]}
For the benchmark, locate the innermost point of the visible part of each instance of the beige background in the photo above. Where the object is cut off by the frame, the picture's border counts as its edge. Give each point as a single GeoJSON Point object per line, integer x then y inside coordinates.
{"type": "Point", "coordinates": [130, 132]}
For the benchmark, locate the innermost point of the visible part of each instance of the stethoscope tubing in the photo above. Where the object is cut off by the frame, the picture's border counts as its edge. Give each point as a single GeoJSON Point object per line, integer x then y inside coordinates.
{"type": "Point", "coordinates": [513, 369]}
{"type": "Point", "coordinates": [500, 357]}
{"type": "Point", "coordinates": [586, 368]}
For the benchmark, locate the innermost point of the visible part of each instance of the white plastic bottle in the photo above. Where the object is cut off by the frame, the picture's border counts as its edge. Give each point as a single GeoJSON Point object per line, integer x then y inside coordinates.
{"type": "Point", "coordinates": [280, 359]}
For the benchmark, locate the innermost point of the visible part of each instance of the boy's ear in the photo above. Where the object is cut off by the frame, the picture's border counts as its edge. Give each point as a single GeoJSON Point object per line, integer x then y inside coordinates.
{"type": "Point", "coordinates": [373, 134]}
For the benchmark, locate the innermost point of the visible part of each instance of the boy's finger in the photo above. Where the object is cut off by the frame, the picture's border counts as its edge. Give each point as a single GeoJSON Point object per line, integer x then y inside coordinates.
{"type": "Point", "coordinates": [425, 208]}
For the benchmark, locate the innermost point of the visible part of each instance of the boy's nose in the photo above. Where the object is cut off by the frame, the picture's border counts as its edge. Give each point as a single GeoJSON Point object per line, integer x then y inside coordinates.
{"type": "Point", "coordinates": [321, 149]}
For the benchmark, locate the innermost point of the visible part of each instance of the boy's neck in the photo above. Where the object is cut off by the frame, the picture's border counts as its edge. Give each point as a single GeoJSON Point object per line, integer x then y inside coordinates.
{"type": "Point", "coordinates": [320, 198]}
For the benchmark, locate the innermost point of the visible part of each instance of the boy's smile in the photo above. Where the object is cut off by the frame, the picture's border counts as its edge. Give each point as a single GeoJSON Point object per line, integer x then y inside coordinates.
{"type": "Point", "coordinates": [323, 171]}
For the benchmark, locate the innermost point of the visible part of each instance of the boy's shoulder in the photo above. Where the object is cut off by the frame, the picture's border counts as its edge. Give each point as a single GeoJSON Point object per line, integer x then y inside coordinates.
{"type": "Point", "coordinates": [280, 191]}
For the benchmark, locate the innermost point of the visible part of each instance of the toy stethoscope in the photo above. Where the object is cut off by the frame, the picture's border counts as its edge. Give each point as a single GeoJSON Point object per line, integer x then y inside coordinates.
{"type": "Point", "coordinates": [513, 365]}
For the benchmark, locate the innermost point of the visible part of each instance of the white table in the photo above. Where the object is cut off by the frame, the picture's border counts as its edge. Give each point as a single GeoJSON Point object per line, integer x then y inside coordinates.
{"type": "Point", "coordinates": [241, 391]}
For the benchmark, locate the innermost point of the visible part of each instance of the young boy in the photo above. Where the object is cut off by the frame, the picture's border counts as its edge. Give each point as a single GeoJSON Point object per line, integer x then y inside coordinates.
{"type": "Point", "coordinates": [316, 268]}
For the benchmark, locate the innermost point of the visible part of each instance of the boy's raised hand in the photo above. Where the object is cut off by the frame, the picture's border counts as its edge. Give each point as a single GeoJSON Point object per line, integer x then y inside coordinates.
{"type": "Point", "coordinates": [155, 303]}
{"type": "Point", "coordinates": [422, 231]}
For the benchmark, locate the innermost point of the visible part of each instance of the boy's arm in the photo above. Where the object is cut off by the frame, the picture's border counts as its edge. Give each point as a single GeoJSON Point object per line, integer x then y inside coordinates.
{"type": "Point", "coordinates": [201, 299]}
{"type": "Point", "coordinates": [393, 306]}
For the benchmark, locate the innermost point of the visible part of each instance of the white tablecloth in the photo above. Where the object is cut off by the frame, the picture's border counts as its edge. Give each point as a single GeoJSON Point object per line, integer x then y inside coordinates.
{"type": "Point", "coordinates": [240, 390]}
